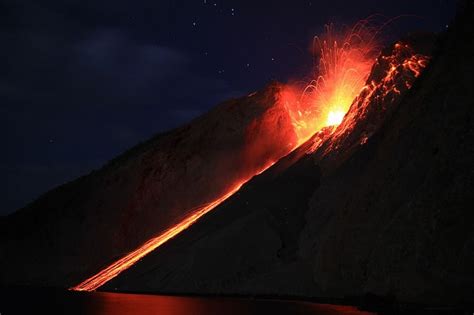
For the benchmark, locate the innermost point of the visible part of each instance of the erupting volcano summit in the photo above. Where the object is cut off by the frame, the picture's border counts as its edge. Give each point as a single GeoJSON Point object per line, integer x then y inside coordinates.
{"type": "Point", "coordinates": [344, 66]}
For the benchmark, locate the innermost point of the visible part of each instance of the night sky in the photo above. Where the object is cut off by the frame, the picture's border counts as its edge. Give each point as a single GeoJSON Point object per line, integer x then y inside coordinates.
{"type": "Point", "coordinates": [82, 81]}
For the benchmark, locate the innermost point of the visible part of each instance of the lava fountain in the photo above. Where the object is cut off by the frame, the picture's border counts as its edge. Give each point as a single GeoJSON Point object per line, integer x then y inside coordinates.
{"type": "Point", "coordinates": [343, 60]}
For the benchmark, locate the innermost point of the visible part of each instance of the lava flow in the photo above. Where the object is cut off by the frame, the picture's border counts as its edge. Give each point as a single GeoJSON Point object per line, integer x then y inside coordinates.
{"type": "Point", "coordinates": [131, 258]}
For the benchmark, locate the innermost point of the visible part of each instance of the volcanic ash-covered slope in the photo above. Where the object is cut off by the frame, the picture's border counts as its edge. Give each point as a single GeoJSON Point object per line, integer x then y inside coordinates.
{"type": "Point", "coordinates": [397, 217]}
{"type": "Point", "coordinates": [77, 229]}
{"type": "Point", "coordinates": [393, 217]}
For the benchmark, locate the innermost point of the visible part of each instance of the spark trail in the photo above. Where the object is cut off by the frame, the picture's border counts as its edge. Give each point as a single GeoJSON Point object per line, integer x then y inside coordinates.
{"type": "Point", "coordinates": [343, 60]}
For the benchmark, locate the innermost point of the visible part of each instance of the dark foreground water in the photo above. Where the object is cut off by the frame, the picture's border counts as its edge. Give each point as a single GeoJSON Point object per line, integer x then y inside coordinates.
{"type": "Point", "coordinates": [41, 301]}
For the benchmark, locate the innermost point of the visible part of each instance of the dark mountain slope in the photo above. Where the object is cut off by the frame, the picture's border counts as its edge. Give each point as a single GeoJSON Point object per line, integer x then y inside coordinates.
{"type": "Point", "coordinates": [392, 218]}
{"type": "Point", "coordinates": [75, 230]}
{"type": "Point", "coordinates": [397, 218]}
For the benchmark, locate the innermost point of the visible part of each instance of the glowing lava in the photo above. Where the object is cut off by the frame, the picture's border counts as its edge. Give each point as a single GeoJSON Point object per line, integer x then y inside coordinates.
{"type": "Point", "coordinates": [131, 258]}
{"type": "Point", "coordinates": [344, 62]}
{"type": "Point", "coordinates": [335, 118]}
{"type": "Point", "coordinates": [392, 75]}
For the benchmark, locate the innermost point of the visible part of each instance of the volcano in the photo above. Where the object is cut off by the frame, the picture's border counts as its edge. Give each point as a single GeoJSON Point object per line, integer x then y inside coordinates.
{"type": "Point", "coordinates": [237, 202]}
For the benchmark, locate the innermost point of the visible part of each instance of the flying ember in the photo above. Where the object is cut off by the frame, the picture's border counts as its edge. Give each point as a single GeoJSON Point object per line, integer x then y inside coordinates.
{"type": "Point", "coordinates": [343, 59]}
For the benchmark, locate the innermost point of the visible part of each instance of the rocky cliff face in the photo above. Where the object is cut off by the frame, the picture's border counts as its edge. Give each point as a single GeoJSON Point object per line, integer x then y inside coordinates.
{"type": "Point", "coordinates": [393, 217]}
{"type": "Point", "coordinates": [73, 231]}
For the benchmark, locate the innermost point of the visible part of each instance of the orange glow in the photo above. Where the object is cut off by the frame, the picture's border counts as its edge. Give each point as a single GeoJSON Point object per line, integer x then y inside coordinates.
{"type": "Point", "coordinates": [393, 74]}
{"type": "Point", "coordinates": [133, 257]}
{"type": "Point", "coordinates": [345, 58]}
{"type": "Point", "coordinates": [335, 118]}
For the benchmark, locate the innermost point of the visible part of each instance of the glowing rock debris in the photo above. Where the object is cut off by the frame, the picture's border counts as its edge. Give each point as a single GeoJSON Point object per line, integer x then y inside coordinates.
{"type": "Point", "coordinates": [343, 60]}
